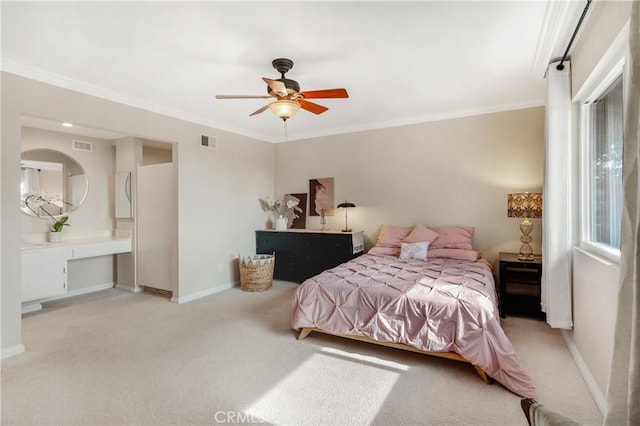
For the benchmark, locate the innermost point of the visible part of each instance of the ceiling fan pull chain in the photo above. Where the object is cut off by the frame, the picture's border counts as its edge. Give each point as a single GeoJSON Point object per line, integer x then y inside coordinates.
{"type": "Point", "coordinates": [286, 133]}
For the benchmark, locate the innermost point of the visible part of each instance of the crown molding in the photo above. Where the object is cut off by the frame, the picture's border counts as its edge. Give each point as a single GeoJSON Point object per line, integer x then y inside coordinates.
{"type": "Point", "coordinates": [47, 77]}
{"type": "Point", "coordinates": [560, 20]}
{"type": "Point", "coordinates": [448, 115]}
{"type": "Point", "coordinates": [38, 74]}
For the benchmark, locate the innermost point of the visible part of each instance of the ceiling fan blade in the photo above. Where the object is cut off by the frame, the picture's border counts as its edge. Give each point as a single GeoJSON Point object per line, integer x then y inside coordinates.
{"type": "Point", "coordinates": [243, 97]}
{"type": "Point", "coordinates": [278, 87]}
{"type": "Point", "coordinates": [327, 93]}
{"type": "Point", "coordinates": [311, 107]}
{"type": "Point", "coordinates": [264, 108]}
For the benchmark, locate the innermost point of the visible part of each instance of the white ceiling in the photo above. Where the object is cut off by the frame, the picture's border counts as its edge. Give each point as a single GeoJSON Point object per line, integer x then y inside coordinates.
{"type": "Point", "coordinates": [401, 62]}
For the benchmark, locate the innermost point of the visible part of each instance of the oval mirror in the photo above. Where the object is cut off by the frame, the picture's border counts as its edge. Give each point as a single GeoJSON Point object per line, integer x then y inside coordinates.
{"type": "Point", "coordinates": [52, 184]}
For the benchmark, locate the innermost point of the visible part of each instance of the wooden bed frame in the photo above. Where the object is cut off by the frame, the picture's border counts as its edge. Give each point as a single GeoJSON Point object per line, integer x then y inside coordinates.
{"type": "Point", "coordinates": [449, 355]}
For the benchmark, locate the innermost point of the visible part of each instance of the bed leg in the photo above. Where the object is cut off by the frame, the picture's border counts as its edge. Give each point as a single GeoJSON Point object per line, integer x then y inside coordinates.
{"type": "Point", "coordinates": [483, 375]}
{"type": "Point", "coordinates": [304, 333]}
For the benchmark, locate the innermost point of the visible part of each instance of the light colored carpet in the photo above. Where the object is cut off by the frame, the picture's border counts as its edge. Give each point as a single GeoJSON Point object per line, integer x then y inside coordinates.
{"type": "Point", "coordinates": [135, 359]}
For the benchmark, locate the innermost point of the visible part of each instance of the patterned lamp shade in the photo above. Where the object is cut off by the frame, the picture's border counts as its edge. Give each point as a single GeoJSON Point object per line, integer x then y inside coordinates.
{"type": "Point", "coordinates": [525, 205]}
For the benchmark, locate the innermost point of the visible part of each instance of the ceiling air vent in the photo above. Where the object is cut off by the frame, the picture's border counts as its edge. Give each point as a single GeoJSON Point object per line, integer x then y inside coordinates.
{"type": "Point", "coordinates": [208, 141]}
{"type": "Point", "coordinates": [82, 145]}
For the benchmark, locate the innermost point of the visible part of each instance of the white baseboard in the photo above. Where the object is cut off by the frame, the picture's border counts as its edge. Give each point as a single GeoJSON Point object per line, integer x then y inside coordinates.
{"type": "Point", "coordinates": [28, 307]}
{"type": "Point", "coordinates": [80, 291]}
{"type": "Point", "coordinates": [593, 387]}
{"type": "Point", "coordinates": [31, 307]}
{"type": "Point", "coordinates": [128, 288]}
{"type": "Point", "coordinates": [209, 292]}
{"type": "Point", "coordinates": [12, 351]}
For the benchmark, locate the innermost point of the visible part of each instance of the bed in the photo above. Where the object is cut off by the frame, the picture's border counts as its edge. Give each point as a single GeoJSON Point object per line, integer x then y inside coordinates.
{"type": "Point", "coordinates": [421, 289]}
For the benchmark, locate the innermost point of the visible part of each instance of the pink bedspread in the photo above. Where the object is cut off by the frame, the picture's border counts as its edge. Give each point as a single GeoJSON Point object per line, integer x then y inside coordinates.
{"type": "Point", "coordinates": [442, 305]}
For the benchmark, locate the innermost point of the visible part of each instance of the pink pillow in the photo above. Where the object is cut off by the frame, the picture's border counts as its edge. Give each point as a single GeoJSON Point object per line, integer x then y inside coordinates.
{"type": "Point", "coordinates": [419, 234]}
{"type": "Point", "coordinates": [453, 237]}
{"type": "Point", "coordinates": [391, 236]}
{"type": "Point", "coordinates": [384, 251]}
{"type": "Point", "coordinates": [455, 254]}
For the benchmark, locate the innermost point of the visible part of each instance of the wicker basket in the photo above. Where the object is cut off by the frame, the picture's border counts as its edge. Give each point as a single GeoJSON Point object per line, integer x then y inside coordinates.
{"type": "Point", "coordinates": [256, 272]}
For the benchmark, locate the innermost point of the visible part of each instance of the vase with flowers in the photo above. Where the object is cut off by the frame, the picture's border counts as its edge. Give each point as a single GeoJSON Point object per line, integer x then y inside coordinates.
{"type": "Point", "coordinates": [272, 206]}
{"type": "Point", "coordinates": [289, 212]}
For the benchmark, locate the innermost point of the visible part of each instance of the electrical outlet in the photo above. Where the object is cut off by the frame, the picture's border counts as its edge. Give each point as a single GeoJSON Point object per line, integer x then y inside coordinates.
{"type": "Point", "coordinates": [220, 269]}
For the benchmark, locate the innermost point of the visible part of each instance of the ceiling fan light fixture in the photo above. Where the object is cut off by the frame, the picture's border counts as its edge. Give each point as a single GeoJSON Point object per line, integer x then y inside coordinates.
{"type": "Point", "coordinates": [284, 108]}
{"type": "Point", "coordinates": [289, 98]}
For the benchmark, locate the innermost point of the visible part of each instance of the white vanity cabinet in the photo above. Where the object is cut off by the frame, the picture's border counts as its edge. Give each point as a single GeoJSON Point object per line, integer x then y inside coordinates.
{"type": "Point", "coordinates": [44, 272]}
{"type": "Point", "coordinates": [44, 265]}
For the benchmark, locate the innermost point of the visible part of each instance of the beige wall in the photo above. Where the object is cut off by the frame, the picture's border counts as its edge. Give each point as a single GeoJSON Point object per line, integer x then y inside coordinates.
{"type": "Point", "coordinates": [90, 272]}
{"type": "Point", "coordinates": [218, 209]}
{"type": "Point", "coordinates": [218, 206]}
{"type": "Point", "coordinates": [595, 290]}
{"type": "Point", "coordinates": [128, 153]}
{"type": "Point", "coordinates": [156, 155]}
{"type": "Point", "coordinates": [450, 172]}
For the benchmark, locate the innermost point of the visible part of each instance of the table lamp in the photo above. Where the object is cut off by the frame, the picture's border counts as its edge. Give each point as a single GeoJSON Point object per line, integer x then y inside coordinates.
{"type": "Point", "coordinates": [525, 205]}
{"type": "Point", "coordinates": [346, 206]}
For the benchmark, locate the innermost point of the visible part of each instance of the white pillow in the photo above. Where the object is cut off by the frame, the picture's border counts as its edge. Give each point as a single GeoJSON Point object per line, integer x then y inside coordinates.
{"type": "Point", "coordinates": [414, 250]}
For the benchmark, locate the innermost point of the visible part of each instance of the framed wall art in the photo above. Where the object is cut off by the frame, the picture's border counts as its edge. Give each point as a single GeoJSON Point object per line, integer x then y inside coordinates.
{"type": "Point", "coordinates": [321, 196]}
{"type": "Point", "coordinates": [297, 216]}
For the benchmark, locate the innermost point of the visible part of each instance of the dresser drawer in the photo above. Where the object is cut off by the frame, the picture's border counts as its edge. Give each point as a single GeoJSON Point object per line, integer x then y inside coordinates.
{"type": "Point", "coordinates": [302, 254]}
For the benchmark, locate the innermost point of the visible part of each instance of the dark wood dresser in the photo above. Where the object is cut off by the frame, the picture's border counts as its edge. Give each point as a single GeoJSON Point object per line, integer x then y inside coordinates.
{"type": "Point", "coordinates": [301, 254]}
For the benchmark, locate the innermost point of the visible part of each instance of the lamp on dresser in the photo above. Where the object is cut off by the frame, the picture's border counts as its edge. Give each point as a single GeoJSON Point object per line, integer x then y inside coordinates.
{"type": "Point", "coordinates": [527, 205]}
{"type": "Point", "coordinates": [346, 206]}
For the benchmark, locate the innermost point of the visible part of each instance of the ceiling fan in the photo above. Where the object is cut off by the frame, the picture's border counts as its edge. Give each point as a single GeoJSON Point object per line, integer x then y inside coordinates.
{"type": "Point", "coordinates": [289, 98]}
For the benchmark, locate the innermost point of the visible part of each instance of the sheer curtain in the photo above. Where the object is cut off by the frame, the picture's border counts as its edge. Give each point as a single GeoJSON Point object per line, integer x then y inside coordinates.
{"type": "Point", "coordinates": [556, 211]}
{"type": "Point", "coordinates": [623, 391]}
{"type": "Point", "coordinates": [29, 181]}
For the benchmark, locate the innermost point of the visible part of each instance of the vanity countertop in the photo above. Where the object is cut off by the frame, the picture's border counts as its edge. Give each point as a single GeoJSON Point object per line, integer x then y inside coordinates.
{"type": "Point", "coordinates": [85, 247]}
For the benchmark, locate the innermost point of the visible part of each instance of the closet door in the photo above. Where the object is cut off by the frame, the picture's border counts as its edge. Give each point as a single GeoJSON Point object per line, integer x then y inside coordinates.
{"type": "Point", "coordinates": [156, 226]}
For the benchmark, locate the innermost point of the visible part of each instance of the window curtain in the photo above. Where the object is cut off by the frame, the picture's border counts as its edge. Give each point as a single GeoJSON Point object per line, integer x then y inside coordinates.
{"type": "Point", "coordinates": [556, 209]}
{"type": "Point", "coordinates": [623, 391]}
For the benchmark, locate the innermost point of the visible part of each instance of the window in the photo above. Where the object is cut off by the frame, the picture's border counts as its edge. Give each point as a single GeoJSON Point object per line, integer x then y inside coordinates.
{"type": "Point", "coordinates": [602, 171]}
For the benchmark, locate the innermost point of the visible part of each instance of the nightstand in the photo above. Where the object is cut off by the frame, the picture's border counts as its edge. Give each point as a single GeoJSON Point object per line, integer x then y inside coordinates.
{"type": "Point", "coordinates": [520, 285]}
